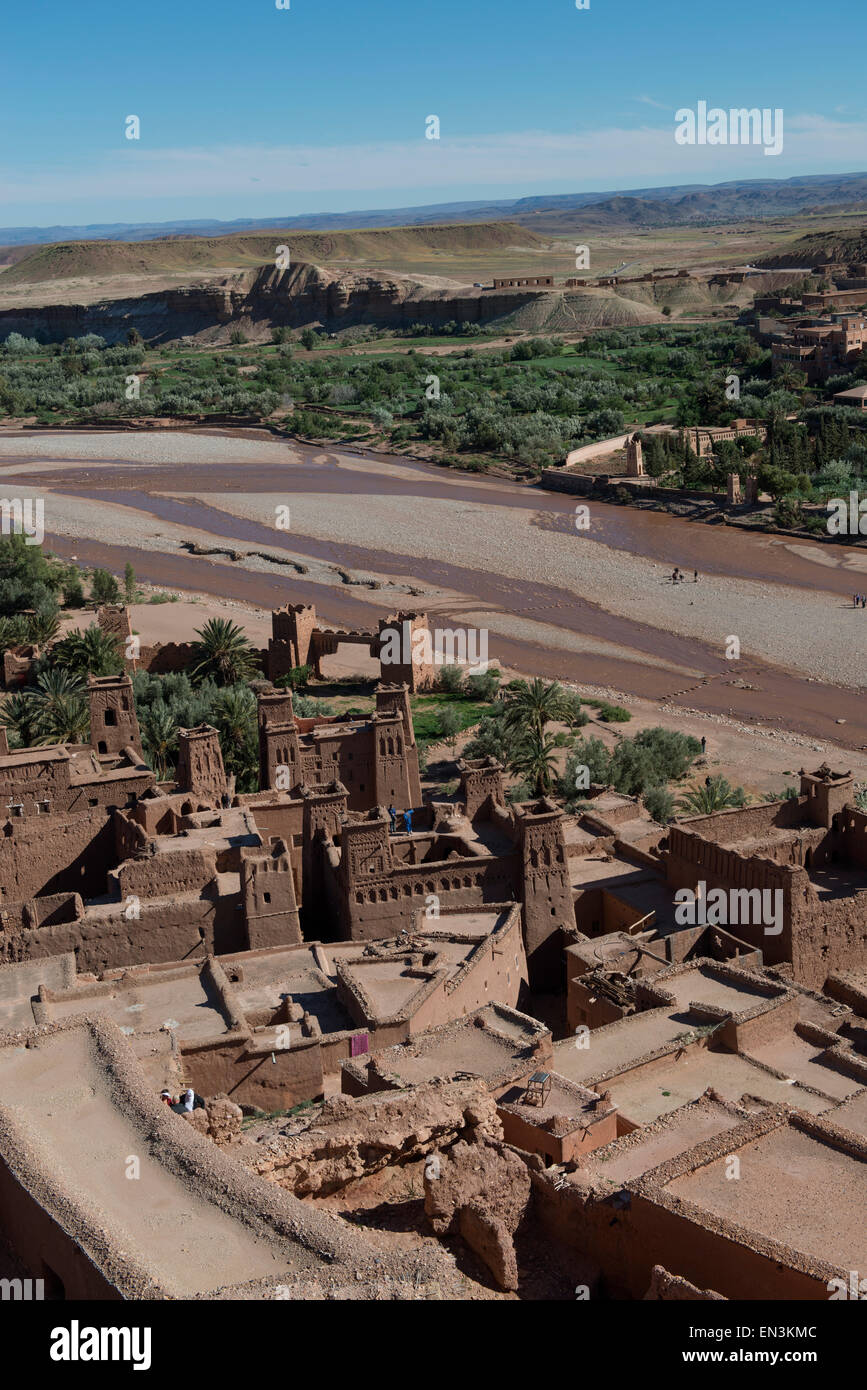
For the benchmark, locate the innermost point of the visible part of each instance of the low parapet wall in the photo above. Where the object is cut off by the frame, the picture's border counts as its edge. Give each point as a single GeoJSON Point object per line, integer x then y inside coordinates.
{"type": "Point", "coordinates": [67, 1224]}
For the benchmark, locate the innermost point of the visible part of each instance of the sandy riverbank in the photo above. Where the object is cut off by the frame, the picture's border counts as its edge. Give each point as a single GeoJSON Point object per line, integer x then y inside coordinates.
{"type": "Point", "coordinates": [485, 552]}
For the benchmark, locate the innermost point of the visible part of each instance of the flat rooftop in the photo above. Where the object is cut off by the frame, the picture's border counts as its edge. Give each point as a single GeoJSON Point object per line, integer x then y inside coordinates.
{"type": "Point", "coordinates": [794, 1188]}
{"type": "Point", "coordinates": [852, 1114]}
{"type": "Point", "coordinates": [62, 1100]}
{"type": "Point", "coordinates": [650, 1094]}
{"type": "Point", "coordinates": [488, 1044]}
{"type": "Point", "coordinates": [634, 1155]}
{"type": "Point", "coordinates": [805, 1062]}
{"type": "Point", "coordinates": [186, 1005]}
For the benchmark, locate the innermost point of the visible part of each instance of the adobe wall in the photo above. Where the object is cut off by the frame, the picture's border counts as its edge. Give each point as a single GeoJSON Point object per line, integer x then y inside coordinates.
{"type": "Point", "coordinates": [692, 859]}
{"type": "Point", "coordinates": [746, 822]}
{"type": "Point", "coordinates": [566, 1148]}
{"type": "Point", "coordinates": [391, 902]}
{"type": "Point", "coordinates": [828, 935]}
{"type": "Point", "coordinates": [853, 827]}
{"type": "Point", "coordinates": [90, 1251]}
{"type": "Point", "coordinates": [41, 1242]}
{"type": "Point", "coordinates": [654, 1227]}
{"type": "Point", "coordinates": [497, 971]}
{"type": "Point", "coordinates": [708, 1252]}
{"type": "Point", "coordinates": [255, 1072]}
{"type": "Point", "coordinates": [165, 658]}
{"type": "Point", "coordinates": [586, 1006]}
{"type": "Point", "coordinates": [55, 854]}
{"type": "Point", "coordinates": [156, 930]}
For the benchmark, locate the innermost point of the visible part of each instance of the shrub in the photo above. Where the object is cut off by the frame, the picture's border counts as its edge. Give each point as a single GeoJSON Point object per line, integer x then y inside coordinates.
{"type": "Point", "coordinates": [294, 679]}
{"type": "Point", "coordinates": [449, 725]}
{"type": "Point", "coordinates": [483, 686]}
{"type": "Point", "coordinates": [451, 680]}
{"type": "Point", "coordinates": [659, 803]}
{"type": "Point", "coordinates": [104, 587]}
{"type": "Point", "coordinates": [614, 714]}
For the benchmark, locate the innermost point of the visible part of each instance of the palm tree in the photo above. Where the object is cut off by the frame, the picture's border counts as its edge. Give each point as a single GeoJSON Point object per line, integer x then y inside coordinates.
{"type": "Point", "coordinates": [62, 714]}
{"type": "Point", "coordinates": [18, 714]}
{"type": "Point", "coordinates": [789, 378]}
{"type": "Point", "coordinates": [13, 631]}
{"type": "Point", "coordinates": [91, 652]}
{"type": "Point", "coordinates": [715, 795]}
{"type": "Point", "coordinates": [530, 705]}
{"type": "Point", "coordinates": [234, 713]}
{"type": "Point", "coordinates": [43, 627]}
{"type": "Point", "coordinates": [224, 653]}
{"type": "Point", "coordinates": [233, 710]}
{"type": "Point", "coordinates": [535, 759]}
{"type": "Point", "coordinates": [159, 733]}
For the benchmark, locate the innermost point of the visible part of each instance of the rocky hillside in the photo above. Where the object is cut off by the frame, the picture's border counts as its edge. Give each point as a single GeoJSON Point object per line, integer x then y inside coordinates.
{"type": "Point", "coordinates": [82, 259]}
{"type": "Point", "coordinates": [256, 301]}
{"type": "Point", "coordinates": [820, 247]}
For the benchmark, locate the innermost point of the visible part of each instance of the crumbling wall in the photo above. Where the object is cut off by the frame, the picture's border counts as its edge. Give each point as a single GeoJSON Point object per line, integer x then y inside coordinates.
{"type": "Point", "coordinates": [350, 1139]}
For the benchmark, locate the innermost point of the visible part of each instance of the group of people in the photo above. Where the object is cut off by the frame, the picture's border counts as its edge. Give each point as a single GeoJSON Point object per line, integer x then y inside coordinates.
{"type": "Point", "coordinates": [859, 600]}
{"type": "Point", "coordinates": [187, 1100]}
{"type": "Point", "coordinates": [679, 577]}
{"type": "Point", "coordinates": [407, 820]}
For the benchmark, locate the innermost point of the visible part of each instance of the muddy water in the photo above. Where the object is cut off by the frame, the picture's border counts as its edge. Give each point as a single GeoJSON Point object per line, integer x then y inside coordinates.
{"type": "Point", "coordinates": [776, 697]}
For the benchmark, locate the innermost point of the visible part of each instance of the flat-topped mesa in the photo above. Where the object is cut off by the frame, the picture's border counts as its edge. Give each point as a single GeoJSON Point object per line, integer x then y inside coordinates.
{"type": "Point", "coordinates": [200, 764]}
{"type": "Point", "coordinates": [113, 721]}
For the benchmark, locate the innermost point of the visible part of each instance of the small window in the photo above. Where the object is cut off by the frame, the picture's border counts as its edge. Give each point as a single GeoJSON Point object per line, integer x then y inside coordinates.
{"type": "Point", "coordinates": [266, 897]}
{"type": "Point", "coordinates": [110, 717]}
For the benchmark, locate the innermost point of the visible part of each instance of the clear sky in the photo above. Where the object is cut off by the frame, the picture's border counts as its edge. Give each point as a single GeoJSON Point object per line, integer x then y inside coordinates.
{"type": "Point", "coordinates": [248, 110]}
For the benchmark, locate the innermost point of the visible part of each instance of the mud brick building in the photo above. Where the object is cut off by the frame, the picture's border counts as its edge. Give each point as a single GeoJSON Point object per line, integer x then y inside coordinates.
{"type": "Point", "coordinates": [811, 849]}
{"type": "Point", "coordinates": [472, 852]}
{"type": "Point", "coordinates": [375, 758]}
{"type": "Point", "coordinates": [298, 640]}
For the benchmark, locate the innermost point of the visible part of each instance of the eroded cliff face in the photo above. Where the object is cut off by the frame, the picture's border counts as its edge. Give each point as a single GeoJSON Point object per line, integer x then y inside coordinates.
{"type": "Point", "coordinates": [302, 296]}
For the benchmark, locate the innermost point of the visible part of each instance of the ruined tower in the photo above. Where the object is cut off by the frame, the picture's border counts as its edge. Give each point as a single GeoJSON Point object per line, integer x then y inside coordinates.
{"type": "Point", "coordinates": [200, 763]}
{"type": "Point", "coordinates": [279, 753]}
{"type": "Point", "coordinates": [827, 793]}
{"type": "Point", "coordinates": [268, 896]}
{"type": "Point", "coordinates": [291, 642]}
{"type": "Point", "coordinates": [406, 652]}
{"type": "Point", "coordinates": [546, 890]}
{"type": "Point", "coordinates": [392, 702]}
{"type": "Point", "coordinates": [365, 848]}
{"type": "Point", "coordinates": [634, 459]}
{"type": "Point", "coordinates": [113, 721]}
{"type": "Point", "coordinates": [113, 619]}
{"type": "Point", "coordinates": [481, 786]}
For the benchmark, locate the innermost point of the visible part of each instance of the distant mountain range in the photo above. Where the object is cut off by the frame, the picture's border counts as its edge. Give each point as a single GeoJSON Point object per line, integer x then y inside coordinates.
{"type": "Point", "coordinates": [553, 214]}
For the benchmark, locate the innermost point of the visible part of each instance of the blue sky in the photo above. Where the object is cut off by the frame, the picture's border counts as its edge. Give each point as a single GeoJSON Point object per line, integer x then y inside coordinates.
{"type": "Point", "coordinates": [251, 111]}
